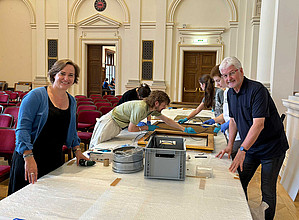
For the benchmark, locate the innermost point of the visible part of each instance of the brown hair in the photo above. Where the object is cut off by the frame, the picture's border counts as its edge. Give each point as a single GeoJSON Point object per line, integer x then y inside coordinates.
{"type": "Point", "coordinates": [143, 91]}
{"type": "Point", "coordinates": [209, 90]}
{"type": "Point", "coordinates": [159, 96]}
{"type": "Point", "coordinates": [59, 65]}
{"type": "Point", "coordinates": [215, 71]}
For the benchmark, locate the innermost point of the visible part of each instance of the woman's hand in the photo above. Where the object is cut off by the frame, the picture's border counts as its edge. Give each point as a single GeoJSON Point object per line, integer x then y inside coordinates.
{"type": "Point", "coordinates": [30, 170]}
{"type": "Point", "coordinates": [79, 156]}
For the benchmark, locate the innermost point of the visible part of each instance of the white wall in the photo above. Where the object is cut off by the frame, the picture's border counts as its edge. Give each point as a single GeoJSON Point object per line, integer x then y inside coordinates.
{"type": "Point", "coordinates": [15, 42]}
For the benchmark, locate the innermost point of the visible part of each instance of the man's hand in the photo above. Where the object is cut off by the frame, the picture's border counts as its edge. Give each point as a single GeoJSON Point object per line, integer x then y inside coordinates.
{"type": "Point", "coordinates": [227, 150]}
{"type": "Point", "coordinates": [182, 121]}
{"type": "Point", "coordinates": [238, 161]}
{"type": "Point", "coordinates": [152, 127]}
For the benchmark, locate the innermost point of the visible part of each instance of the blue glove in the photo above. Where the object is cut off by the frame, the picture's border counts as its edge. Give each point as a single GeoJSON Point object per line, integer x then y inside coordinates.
{"type": "Point", "coordinates": [148, 123]}
{"type": "Point", "coordinates": [141, 124]}
{"type": "Point", "coordinates": [152, 127]}
{"type": "Point", "coordinates": [224, 126]}
{"type": "Point", "coordinates": [182, 121]}
{"type": "Point", "coordinates": [217, 129]}
{"type": "Point", "coordinates": [190, 130]}
{"type": "Point", "coordinates": [209, 122]}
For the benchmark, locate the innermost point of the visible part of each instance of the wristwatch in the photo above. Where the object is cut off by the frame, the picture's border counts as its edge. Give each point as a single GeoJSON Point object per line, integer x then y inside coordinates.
{"type": "Point", "coordinates": [243, 149]}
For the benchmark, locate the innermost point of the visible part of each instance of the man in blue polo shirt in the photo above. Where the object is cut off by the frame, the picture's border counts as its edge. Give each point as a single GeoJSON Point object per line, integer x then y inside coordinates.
{"type": "Point", "coordinates": [254, 114]}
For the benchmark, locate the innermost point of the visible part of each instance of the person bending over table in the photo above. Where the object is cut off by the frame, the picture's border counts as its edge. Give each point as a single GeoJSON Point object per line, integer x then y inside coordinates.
{"type": "Point", "coordinates": [129, 114]}
{"type": "Point", "coordinates": [223, 119]}
{"type": "Point", "coordinates": [213, 98]}
{"type": "Point", "coordinates": [47, 121]}
{"type": "Point", "coordinates": [253, 113]}
{"type": "Point", "coordinates": [138, 93]}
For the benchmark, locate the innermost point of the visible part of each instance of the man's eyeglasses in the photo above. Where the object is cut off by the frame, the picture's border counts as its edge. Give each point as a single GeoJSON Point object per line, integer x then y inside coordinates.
{"type": "Point", "coordinates": [232, 73]}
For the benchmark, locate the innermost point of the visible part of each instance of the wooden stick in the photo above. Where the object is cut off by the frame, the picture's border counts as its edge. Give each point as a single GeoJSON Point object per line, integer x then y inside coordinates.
{"type": "Point", "coordinates": [115, 182]}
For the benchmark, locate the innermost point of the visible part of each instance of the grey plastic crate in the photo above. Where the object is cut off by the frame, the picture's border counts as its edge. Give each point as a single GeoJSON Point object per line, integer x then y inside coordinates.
{"type": "Point", "coordinates": [165, 158]}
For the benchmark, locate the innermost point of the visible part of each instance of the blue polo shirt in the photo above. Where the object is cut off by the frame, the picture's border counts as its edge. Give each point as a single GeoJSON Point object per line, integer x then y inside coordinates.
{"type": "Point", "coordinates": [254, 101]}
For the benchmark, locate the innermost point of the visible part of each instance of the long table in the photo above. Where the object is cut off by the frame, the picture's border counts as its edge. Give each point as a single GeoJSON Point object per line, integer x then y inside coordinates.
{"type": "Point", "coordinates": [75, 192]}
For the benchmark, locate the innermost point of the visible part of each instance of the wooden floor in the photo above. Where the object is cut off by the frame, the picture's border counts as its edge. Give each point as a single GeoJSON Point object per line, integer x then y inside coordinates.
{"type": "Point", "coordinates": [286, 209]}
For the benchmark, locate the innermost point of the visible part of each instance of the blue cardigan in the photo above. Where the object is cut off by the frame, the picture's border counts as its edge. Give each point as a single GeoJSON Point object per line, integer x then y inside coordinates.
{"type": "Point", "coordinates": [33, 115]}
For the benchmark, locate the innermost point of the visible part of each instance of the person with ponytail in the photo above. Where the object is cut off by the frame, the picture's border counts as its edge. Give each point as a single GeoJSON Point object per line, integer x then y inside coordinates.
{"type": "Point", "coordinates": [213, 98]}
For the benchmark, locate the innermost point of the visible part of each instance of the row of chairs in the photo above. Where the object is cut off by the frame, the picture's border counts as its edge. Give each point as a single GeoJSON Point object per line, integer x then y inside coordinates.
{"type": "Point", "coordinates": [88, 110]}
{"type": "Point", "coordinates": [10, 98]}
{"type": "Point", "coordinates": [9, 116]}
{"type": "Point", "coordinates": [7, 147]}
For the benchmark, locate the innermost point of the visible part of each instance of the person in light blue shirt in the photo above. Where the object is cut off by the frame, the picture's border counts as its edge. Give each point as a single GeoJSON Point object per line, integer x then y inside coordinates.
{"type": "Point", "coordinates": [46, 122]}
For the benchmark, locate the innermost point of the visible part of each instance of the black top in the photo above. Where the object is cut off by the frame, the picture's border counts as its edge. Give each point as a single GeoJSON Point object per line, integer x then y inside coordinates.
{"type": "Point", "coordinates": [254, 101]}
{"type": "Point", "coordinates": [129, 96]}
{"type": "Point", "coordinates": [47, 149]}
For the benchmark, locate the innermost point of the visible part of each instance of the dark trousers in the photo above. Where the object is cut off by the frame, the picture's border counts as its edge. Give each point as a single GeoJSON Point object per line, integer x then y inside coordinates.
{"type": "Point", "coordinates": [270, 171]}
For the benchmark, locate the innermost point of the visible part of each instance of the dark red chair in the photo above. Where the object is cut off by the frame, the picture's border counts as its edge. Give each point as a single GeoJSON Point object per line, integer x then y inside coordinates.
{"type": "Point", "coordinates": [7, 143]}
{"type": "Point", "coordinates": [100, 100]}
{"type": "Point", "coordinates": [13, 98]}
{"type": "Point", "coordinates": [21, 96]}
{"type": "Point", "coordinates": [6, 121]}
{"type": "Point", "coordinates": [86, 107]}
{"type": "Point", "coordinates": [14, 111]}
{"type": "Point", "coordinates": [111, 98]}
{"type": "Point", "coordinates": [4, 99]}
{"type": "Point", "coordinates": [87, 119]}
{"type": "Point", "coordinates": [105, 96]}
{"type": "Point", "coordinates": [95, 96]}
{"type": "Point", "coordinates": [100, 104]}
{"type": "Point", "coordinates": [114, 101]}
{"type": "Point", "coordinates": [4, 172]}
{"type": "Point", "coordinates": [118, 96]}
{"type": "Point", "coordinates": [85, 138]}
{"type": "Point", "coordinates": [84, 103]}
{"type": "Point", "coordinates": [80, 96]}
{"type": "Point", "coordinates": [105, 109]}
{"type": "Point", "coordinates": [114, 105]}
{"type": "Point", "coordinates": [66, 151]}
{"type": "Point", "coordinates": [84, 99]}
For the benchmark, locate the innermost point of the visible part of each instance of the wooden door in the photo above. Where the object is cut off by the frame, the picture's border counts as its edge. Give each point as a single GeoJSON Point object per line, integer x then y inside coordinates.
{"type": "Point", "coordinates": [94, 69]}
{"type": "Point", "coordinates": [196, 64]}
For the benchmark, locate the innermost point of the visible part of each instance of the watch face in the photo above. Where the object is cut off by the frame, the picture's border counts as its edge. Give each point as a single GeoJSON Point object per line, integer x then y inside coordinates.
{"type": "Point", "coordinates": [100, 5]}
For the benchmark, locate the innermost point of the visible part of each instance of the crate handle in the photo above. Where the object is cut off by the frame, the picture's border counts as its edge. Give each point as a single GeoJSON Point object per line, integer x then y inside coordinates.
{"type": "Point", "coordinates": [168, 142]}
{"type": "Point", "coordinates": [165, 155]}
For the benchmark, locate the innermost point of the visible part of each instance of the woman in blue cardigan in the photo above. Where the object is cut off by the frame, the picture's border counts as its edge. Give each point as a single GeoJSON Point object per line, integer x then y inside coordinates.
{"type": "Point", "coordinates": [46, 122]}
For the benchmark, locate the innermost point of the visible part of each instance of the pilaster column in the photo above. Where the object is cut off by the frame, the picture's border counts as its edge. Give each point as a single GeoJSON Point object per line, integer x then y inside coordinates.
{"type": "Point", "coordinates": [233, 38]}
{"type": "Point", "coordinates": [40, 78]}
{"type": "Point", "coordinates": [265, 46]}
{"type": "Point", "coordinates": [63, 29]}
{"type": "Point", "coordinates": [132, 48]}
{"type": "Point", "coordinates": [160, 47]}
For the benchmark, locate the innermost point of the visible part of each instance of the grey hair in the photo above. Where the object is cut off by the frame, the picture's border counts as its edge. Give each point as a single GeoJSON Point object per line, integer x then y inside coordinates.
{"type": "Point", "coordinates": [230, 61]}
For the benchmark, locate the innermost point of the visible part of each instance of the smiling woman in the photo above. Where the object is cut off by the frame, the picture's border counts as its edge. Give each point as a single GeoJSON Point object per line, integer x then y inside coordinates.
{"type": "Point", "coordinates": [45, 112]}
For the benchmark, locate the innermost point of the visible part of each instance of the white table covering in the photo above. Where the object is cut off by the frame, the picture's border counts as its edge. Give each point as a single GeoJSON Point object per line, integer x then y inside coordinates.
{"type": "Point", "coordinates": [75, 192]}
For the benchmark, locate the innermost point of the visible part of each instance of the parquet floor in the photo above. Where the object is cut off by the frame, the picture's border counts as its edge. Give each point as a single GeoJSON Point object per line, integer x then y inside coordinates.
{"type": "Point", "coordinates": [286, 209]}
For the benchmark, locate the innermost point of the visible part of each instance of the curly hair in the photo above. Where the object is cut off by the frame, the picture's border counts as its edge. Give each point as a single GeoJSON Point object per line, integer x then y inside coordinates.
{"type": "Point", "coordinates": [159, 96]}
{"type": "Point", "coordinates": [209, 90]}
{"type": "Point", "coordinates": [59, 65]}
